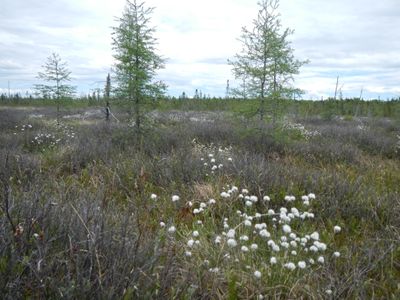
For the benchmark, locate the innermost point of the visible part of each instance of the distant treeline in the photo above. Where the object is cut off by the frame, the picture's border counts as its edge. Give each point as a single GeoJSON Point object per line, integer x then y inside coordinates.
{"type": "Point", "coordinates": [326, 109]}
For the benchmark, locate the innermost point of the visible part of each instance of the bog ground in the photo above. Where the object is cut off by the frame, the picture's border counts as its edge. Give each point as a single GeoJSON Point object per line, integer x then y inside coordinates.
{"type": "Point", "coordinates": [209, 203]}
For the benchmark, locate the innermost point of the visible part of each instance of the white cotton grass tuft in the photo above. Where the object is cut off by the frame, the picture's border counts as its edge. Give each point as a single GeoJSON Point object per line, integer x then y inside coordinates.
{"type": "Point", "coordinates": [225, 195]}
{"type": "Point", "coordinates": [290, 198]}
{"type": "Point", "coordinates": [311, 196]}
{"type": "Point", "coordinates": [244, 249]}
{"type": "Point", "coordinates": [175, 198]}
{"type": "Point", "coordinates": [295, 212]}
{"type": "Point", "coordinates": [266, 198]}
{"type": "Point", "coordinates": [286, 229]}
{"type": "Point", "coordinates": [264, 233]}
{"type": "Point", "coordinates": [285, 245]}
{"type": "Point", "coordinates": [257, 274]}
{"type": "Point", "coordinates": [171, 229]}
{"type": "Point", "coordinates": [254, 247]}
{"type": "Point", "coordinates": [290, 266]}
{"type": "Point", "coordinates": [153, 197]}
{"type": "Point", "coordinates": [328, 292]}
{"type": "Point", "coordinates": [254, 199]}
{"type": "Point", "coordinates": [190, 243]}
{"type": "Point", "coordinates": [302, 264]}
{"type": "Point", "coordinates": [195, 233]}
{"type": "Point", "coordinates": [231, 233]}
{"type": "Point", "coordinates": [260, 226]}
{"type": "Point", "coordinates": [336, 254]}
{"type": "Point", "coordinates": [320, 246]}
{"type": "Point", "coordinates": [211, 201]}
{"type": "Point", "coordinates": [275, 248]}
{"type": "Point", "coordinates": [315, 236]}
{"type": "Point", "coordinates": [273, 260]}
{"type": "Point", "coordinates": [162, 224]}
{"type": "Point", "coordinates": [244, 238]}
{"type": "Point", "coordinates": [337, 229]}
{"type": "Point", "coordinates": [247, 223]}
{"type": "Point", "coordinates": [231, 243]}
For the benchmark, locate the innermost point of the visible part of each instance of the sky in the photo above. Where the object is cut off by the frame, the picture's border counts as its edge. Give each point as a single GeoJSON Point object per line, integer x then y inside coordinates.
{"type": "Point", "coordinates": [357, 40]}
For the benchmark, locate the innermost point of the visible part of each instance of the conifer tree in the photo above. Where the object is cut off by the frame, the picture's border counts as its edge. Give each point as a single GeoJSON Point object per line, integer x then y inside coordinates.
{"type": "Point", "coordinates": [137, 61]}
{"type": "Point", "coordinates": [266, 63]}
{"type": "Point", "coordinates": [56, 74]}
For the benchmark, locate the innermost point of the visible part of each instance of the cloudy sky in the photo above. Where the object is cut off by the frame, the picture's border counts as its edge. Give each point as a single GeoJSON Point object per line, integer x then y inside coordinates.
{"type": "Point", "coordinates": [358, 40]}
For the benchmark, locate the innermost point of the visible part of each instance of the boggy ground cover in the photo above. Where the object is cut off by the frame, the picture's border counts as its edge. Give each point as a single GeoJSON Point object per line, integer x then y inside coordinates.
{"type": "Point", "coordinates": [214, 206]}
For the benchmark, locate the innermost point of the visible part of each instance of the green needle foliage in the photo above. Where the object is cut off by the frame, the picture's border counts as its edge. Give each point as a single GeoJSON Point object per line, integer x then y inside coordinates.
{"type": "Point", "coordinates": [55, 71]}
{"type": "Point", "coordinates": [266, 64]}
{"type": "Point", "coordinates": [56, 74]}
{"type": "Point", "coordinates": [137, 60]}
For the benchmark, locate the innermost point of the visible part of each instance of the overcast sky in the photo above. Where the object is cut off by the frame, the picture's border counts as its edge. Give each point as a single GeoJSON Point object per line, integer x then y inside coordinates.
{"type": "Point", "coordinates": [358, 40]}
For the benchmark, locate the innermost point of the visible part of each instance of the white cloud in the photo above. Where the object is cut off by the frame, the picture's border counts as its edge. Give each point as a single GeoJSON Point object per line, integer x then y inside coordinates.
{"type": "Point", "coordinates": [357, 40]}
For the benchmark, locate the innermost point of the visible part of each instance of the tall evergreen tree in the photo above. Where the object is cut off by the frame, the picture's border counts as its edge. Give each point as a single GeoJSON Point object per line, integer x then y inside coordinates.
{"type": "Point", "coordinates": [137, 60]}
{"type": "Point", "coordinates": [266, 63]}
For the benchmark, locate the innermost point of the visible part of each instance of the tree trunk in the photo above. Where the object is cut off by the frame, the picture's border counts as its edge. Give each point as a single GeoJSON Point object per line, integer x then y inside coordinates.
{"type": "Point", "coordinates": [58, 111]}
{"type": "Point", "coordinates": [137, 114]}
{"type": "Point", "coordinates": [262, 101]}
{"type": "Point", "coordinates": [108, 111]}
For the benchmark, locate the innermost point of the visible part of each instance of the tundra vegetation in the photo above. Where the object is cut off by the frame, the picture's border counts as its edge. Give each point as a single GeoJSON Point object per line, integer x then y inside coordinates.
{"type": "Point", "coordinates": [192, 198]}
{"type": "Point", "coordinates": [211, 204]}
